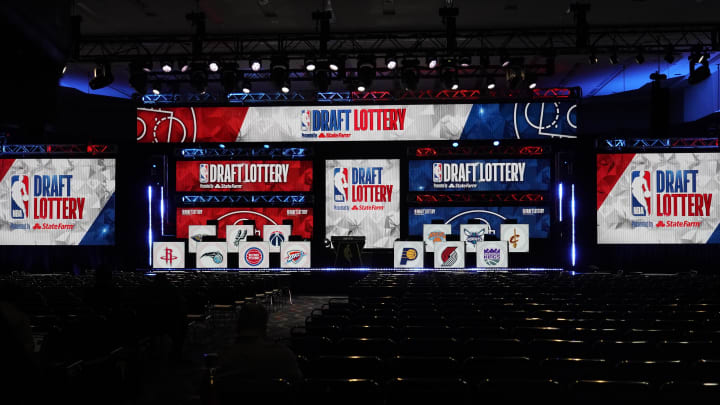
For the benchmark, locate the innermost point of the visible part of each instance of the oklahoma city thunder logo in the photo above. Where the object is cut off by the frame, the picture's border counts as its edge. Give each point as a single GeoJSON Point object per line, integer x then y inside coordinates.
{"type": "Point", "coordinates": [276, 238]}
{"type": "Point", "coordinates": [294, 256]}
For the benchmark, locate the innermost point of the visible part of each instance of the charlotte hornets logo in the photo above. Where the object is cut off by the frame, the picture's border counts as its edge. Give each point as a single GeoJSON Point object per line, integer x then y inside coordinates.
{"type": "Point", "coordinates": [276, 238]}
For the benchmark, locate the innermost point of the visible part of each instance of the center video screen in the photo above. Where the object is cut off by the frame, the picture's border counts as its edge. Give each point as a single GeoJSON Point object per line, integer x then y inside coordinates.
{"type": "Point", "coordinates": [57, 202]}
{"type": "Point", "coordinates": [479, 175]}
{"type": "Point", "coordinates": [362, 198]}
{"type": "Point", "coordinates": [658, 198]}
{"type": "Point", "coordinates": [244, 176]}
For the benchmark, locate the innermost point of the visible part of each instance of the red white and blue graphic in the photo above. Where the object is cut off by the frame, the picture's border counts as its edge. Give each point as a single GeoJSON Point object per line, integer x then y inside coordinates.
{"type": "Point", "coordinates": [479, 175]}
{"type": "Point", "coordinates": [244, 175]}
{"type": "Point", "coordinates": [658, 198]}
{"type": "Point", "coordinates": [295, 254]}
{"type": "Point", "coordinates": [340, 183]}
{"type": "Point", "coordinates": [302, 219]}
{"type": "Point", "coordinates": [253, 256]}
{"type": "Point", "coordinates": [416, 122]}
{"type": "Point", "coordinates": [57, 201]}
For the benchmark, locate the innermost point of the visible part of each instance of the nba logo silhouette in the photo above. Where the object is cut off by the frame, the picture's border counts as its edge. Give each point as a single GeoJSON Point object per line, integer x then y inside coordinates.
{"type": "Point", "coordinates": [437, 172]}
{"type": "Point", "coordinates": [641, 193]}
{"type": "Point", "coordinates": [203, 172]}
{"type": "Point", "coordinates": [340, 179]}
{"type": "Point", "coordinates": [305, 121]}
{"type": "Point", "coordinates": [19, 195]}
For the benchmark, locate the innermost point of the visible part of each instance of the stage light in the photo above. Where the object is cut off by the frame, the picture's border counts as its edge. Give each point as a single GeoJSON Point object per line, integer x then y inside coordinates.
{"type": "Point", "coordinates": [279, 72]}
{"type": "Point", "coordinates": [613, 59]}
{"type": "Point", "coordinates": [167, 67]}
{"type": "Point", "coordinates": [698, 73]}
{"type": "Point", "coordinates": [64, 69]}
{"type": "Point", "coordinates": [410, 77]}
{"type": "Point", "coordinates": [255, 65]}
{"type": "Point", "coordinates": [455, 144]}
{"type": "Point", "coordinates": [504, 60]}
{"type": "Point", "coordinates": [592, 59]}
{"type": "Point", "coordinates": [213, 66]}
{"type": "Point", "coordinates": [147, 65]}
{"type": "Point", "coordinates": [336, 63]}
{"type": "Point", "coordinates": [450, 78]}
{"type": "Point", "coordinates": [496, 143]}
{"type": "Point", "coordinates": [266, 146]}
{"type": "Point", "coordinates": [229, 77]}
{"type": "Point", "coordinates": [198, 77]}
{"type": "Point", "coordinates": [183, 65]}
{"type": "Point", "coordinates": [310, 64]}
{"type": "Point", "coordinates": [560, 201]}
{"type": "Point", "coordinates": [391, 62]}
{"type": "Point", "coordinates": [531, 80]}
{"type": "Point", "coordinates": [490, 83]}
{"type": "Point", "coordinates": [360, 88]}
{"type": "Point", "coordinates": [138, 77]}
{"type": "Point", "coordinates": [222, 146]}
{"type": "Point", "coordinates": [465, 60]}
{"type": "Point", "coordinates": [246, 86]}
{"type": "Point", "coordinates": [150, 235]}
{"type": "Point", "coordinates": [101, 76]}
{"type": "Point", "coordinates": [366, 70]}
{"type": "Point", "coordinates": [432, 62]}
{"type": "Point", "coordinates": [156, 88]}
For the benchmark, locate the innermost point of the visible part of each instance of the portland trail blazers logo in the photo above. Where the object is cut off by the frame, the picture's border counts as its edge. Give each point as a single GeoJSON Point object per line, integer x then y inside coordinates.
{"type": "Point", "coordinates": [449, 256]}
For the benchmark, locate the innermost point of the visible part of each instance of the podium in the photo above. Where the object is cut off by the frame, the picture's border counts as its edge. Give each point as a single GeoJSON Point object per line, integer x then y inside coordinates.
{"type": "Point", "coordinates": [348, 250]}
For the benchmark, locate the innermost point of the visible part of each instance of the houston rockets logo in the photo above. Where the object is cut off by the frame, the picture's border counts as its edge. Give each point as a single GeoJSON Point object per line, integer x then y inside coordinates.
{"type": "Point", "coordinates": [641, 193]}
{"type": "Point", "coordinates": [20, 196]}
{"type": "Point", "coordinates": [340, 181]}
{"type": "Point", "coordinates": [168, 256]}
{"type": "Point", "coordinates": [449, 256]}
{"type": "Point", "coordinates": [408, 254]}
{"type": "Point", "coordinates": [514, 239]}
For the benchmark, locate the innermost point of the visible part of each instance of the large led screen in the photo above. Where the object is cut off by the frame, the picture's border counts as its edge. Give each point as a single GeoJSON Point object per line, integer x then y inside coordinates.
{"type": "Point", "coordinates": [479, 175]}
{"type": "Point", "coordinates": [302, 218]}
{"type": "Point", "coordinates": [537, 218]}
{"type": "Point", "coordinates": [658, 198]}
{"type": "Point", "coordinates": [250, 176]}
{"type": "Point", "coordinates": [57, 202]}
{"type": "Point", "coordinates": [362, 198]}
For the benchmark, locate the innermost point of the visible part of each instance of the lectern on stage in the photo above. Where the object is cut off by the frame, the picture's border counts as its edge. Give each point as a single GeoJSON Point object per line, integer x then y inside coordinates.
{"type": "Point", "coordinates": [348, 250]}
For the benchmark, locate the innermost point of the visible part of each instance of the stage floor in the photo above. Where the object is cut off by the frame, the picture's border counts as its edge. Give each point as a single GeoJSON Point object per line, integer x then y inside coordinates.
{"type": "Point", "coordinates": [362, 269]}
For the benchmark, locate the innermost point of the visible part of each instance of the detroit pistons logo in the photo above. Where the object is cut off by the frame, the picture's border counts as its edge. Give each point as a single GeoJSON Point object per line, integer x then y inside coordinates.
{"type": "Point", "coordinates": [253, 256]}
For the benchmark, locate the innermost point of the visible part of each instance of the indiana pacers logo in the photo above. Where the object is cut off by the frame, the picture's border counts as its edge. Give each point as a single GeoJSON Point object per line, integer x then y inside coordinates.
{"type": "Point", "coordinates": [514, 239]}
{"type": "Point", "coordinates": [276, 238]}
{"type": "Point", "coordinates": [168, 256]}
{"type": "Point", "coordinates": [449, 256]}
{"type": "Point", "coordinates": [408, 254]}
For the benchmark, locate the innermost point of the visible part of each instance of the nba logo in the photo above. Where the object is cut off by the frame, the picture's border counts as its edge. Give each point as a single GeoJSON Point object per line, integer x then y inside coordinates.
{"type": "Point", "coordinates": [305, 122]}
{"type": "Point", "coordinates": [437, 172]}
{"type": "Point", "coordinates": [203, 172]}
{"type": "Point", "coordinates": [640, 193]}
{"type": "Point", "coordinates": [340, 180]}
{"type": "Point", "coordinates": [19, 195]}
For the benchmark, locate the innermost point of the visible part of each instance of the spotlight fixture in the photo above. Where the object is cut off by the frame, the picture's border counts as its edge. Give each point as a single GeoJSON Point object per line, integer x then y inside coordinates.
{"type": "Point", "coordinates": [432, 61]}
{"type": "Point", "coordinates": [167, 67]}
{"type": "Point", "coordinates": [138, 77]}
{"type": "Point", "coordinates": [613, 59]}
{"type": "Point", "coordinates": [391, 62]}
{"type": "Point", "coordinates": [64, 69]}
{"type": "Point", "coordinates": [279, 73]}
{"type": "Point", "coordinates": [255, 64]}
{"type": "Point", "coordinates": [505, 60]}
{"type": "Point", "coordinates": [213, 66]}
{"type": "Point", "coordinates": [465, 60]}
{"type": "Point", "coordinates": [409, 76]}
{"type": "Point", "coordinates": [198, 77]}
{"type": "Point", "coordinates": [366, 70]}
{"type": "Point", "coordinates": [531, 80]}
{"type": "Point", "coordinates": [490, 83]}
{"type": "Point", "coordinates": [450, 78]}
{"type": "Point", "coordinates": [701, 72]}
{"type": "Point", "coordinates": [156, 87]}
{"type": "Point", "coordinates": [336, 63]}
{"type": "Point", "coordinates": [229, 77]}
{"type": "Point", "coordinates": [183, 65]}
{"type": "Point", "coordinates": [592, 59]}
{"type": "Point", "coordinates": [310, 64]}
{"type": "Point", "coordinates": [147, 65]}
{"type": "Point", "coordinates": [101, 76]}
{"type": "Point", "coordinates": [246, 86]}
{"type": "Point", "coordinates": [360, 87]}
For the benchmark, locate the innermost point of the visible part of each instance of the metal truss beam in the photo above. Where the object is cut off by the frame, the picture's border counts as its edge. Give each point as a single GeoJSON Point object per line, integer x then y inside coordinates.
{"type": "Point", "coordinates": [476, 198]}
{"type": "Point", "coordinates": [621, 144]}
{"type": "Point", "coordinates": [230, 152]}
{"type": "Point", "coordinates": [520, 41]}
{"type": "Point", "coordinates": [469, 151]}
{"type": "Point", "coordinates": [44, 149]}
{"type": "Point", "coordinates": [292, 200]}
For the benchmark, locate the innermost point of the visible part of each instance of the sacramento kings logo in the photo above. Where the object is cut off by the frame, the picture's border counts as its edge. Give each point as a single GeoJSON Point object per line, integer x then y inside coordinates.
{"type": "Point", "coordinates": [276, 238]}
{"type": "Point", "coordinates": [491, 256]}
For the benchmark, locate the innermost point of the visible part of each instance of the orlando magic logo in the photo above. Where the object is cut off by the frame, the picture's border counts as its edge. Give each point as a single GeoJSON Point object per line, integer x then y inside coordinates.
{"type": "Point", "coordinates": [215, 256]}
{"type": "Point", "coordinates": [276, 238]}
{"type": "Point", "coordinates": [19, 194]}
{"type": "Point", "coordinates": [449, 256]}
